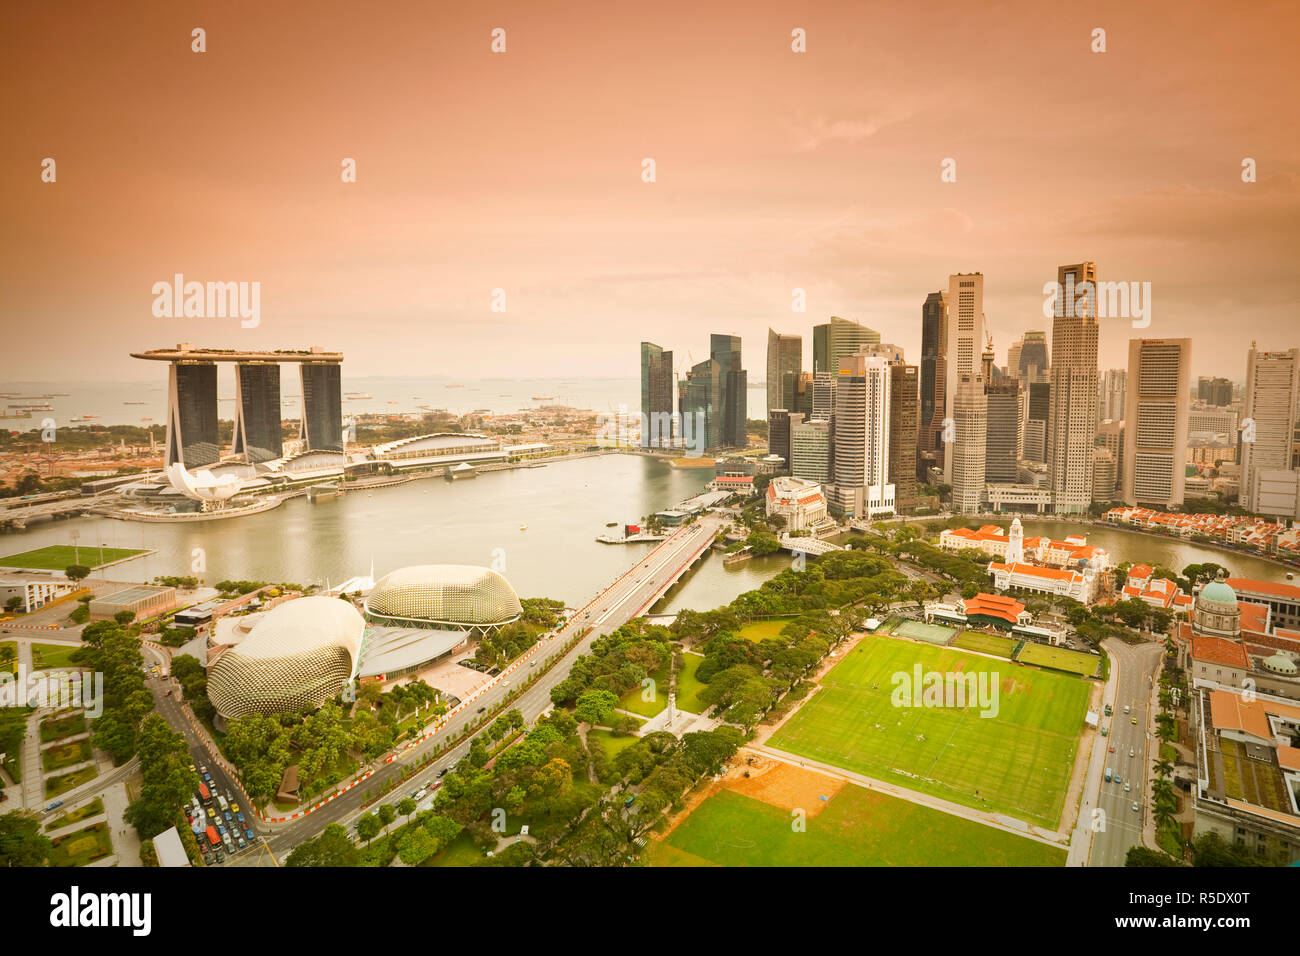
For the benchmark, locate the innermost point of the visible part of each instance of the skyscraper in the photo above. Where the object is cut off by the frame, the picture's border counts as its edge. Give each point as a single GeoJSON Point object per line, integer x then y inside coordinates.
{"type": "Point", "coordinates": [1268, 416]}
{"type": "Point", "coordinates": [1039, 401]}
{"type": "Point", "coordinates": [810, 450]}
{"type": "Point", "coordinates": [700, 401]}
{"type": "Point", "coordinates": [1214, 391]}
{"type": "Point", "coordinates": [1155, 428]}
{"type": "Point", "coordinates": [656, 396]}
{"type": "Point", "coordinates": [965, 455]}
{"type": "Point", "coordinates": [823, 396]}
{"type": "Point", "coordinates": [1110, 436]}
{"type": "Point", "coordinates": [839, 338]}
{"type": "Point", "coordinates": [257, 411]}
{"type": "Point", "coordinates": [725, 351]}
{"type": "Point", "coordinates": [192, 425]}
{"type": "Point", "coordinates": [1003, 406]}
{"type": "Point", "coordinates": [861, 466]}
{"type": "Point", "coordinates": [904, 417]}
{"type": "Point", "coordinates": [1031, 363]}
{"type": "Point", "coordinates": [1112, 402]}
{"type": "Point", "coordinates": [1072, 426]}
{"type": "Point", "coordinates": [962, 349]}
{"type": "Point", "coordinates": [934, 332]}
{"type": "Point", "coordinates": [779, 422]}
{"type": "Point", "coordinates": [784, 355]}
{"type": "Point", "coordinates": [322, 406]}
{"type": "Point", "coordinates": [797, 392]}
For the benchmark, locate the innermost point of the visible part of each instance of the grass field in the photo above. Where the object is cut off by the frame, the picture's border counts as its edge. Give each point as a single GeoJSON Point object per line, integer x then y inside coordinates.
{"type": "Point", "coordinates": [760, 630]}
{"type": "Point", "coordinates": [612, 745]}
{"type": "Point", "coordinates": [1059, 658]}
{"type": "Point", "coordinates": [1017, 762]}
{"type": "Point", "coordinates": [8, 657]}
{"type": "Point", "coordinates": [53, 656]}
{"type": "Point", "coordinates": [688, 686]}
{"type": "Point", "coordinates": [58, 557]}
{"type": "Point", "coordinates": [632, 702]}
{"type": "Point", "coordinates": [858, 827]}
{"type": "Point", "coordinates": [52, 728]}
{"type": "Point", "coordinates": [84, 846]}
{"type": "Point", "coordinates": [920, 631]}
{"type": "Point", "coordinates": [461, 852]}
{"type": "Point", "coordinates": [93, 808]}
{"type": "Point", "coordinates": [65, 782]}
{"type": "Point", "coordinates": [987, 644]}
{"type": "Point", "coordinates": [65, 755]}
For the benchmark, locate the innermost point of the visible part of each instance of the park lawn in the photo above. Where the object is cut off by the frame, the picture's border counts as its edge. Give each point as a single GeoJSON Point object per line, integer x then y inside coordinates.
{"type": "Point", "coordinates": [761, 630]}
{"type": "Point", "coordinates": [68, 781]}
{"type": "Point", "coordinates": [58, 557]}
{"type": "Point", "coordinates": [52, 728]}
{"type": "Point", "coordinates": [993, 644]}
{"type": "Point", "coordinates": [689, 686]}
{"type": "Point", "coordinates": [858, 827]}
{"type": "Point", "coordinates": [53, 656]}
{"type": "Point", "coordinates": [84, 846]}
{"type": "Point", "coordinates": [1059, 658]}
{"type": "Point", "coordinates": [1017, 762]}
{"type": "Point", "coordinates": [92, 809]}
{"type": "Point", "coordinates": [8, 657]}
{"type": "Point", "coordinates": [65, 755]}
{"type": "Point", "coordinates": [613, 746]}
{"type": "Point", "coordinates": [632, 702]}
{"type": "Point", "coordinates": [460, 852]}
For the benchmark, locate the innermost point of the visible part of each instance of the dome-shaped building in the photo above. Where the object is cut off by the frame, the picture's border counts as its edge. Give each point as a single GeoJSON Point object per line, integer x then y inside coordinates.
{"type": "Point", "coordinates": [296, 657]}
{"type": "Point", "coordinates": [444, 596]}
{"type": "Point", "coordinates": [1216, 612]}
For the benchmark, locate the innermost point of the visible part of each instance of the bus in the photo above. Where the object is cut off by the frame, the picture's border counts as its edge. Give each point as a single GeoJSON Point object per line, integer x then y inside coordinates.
{"type": "Point", "coordinates": [212, 836]}
{"type": "Point", "coordinates": [203, 791]}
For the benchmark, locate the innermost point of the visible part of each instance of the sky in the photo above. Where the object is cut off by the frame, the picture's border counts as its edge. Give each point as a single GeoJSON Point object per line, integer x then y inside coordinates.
{"type": "Point", "coordinates": [522, 171]}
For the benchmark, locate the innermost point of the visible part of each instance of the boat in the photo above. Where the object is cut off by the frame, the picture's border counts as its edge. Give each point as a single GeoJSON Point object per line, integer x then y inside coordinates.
{"type": "Point", "coordinates": [455, 386]}
{"type": "Point", "coordinates": [135, 403]}
{"type": "Point", "coordinates": [543, 398]}
{"type": "Point", "coordinates": [611, 524]}
{"type": "Point", "coordinates": [357, 395]}
{"type": "Point", "coordinates": [523, 527]}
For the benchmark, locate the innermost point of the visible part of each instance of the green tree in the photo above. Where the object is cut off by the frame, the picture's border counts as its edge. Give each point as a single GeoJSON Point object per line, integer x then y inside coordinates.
{"type": "Point", "coordinates": [21, 840]}
{"type": "Point", "coordinates": [76, 572]}
{"type": "Point", "coordinates": [331, 848]}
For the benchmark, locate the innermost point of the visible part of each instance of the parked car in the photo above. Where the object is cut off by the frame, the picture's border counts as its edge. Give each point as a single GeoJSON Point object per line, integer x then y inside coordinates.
{"type": "Point", "coordinates": [239, 817]}
{"type": "Point", "coordinates": [249, 835]}
{"type": "Point", "coordinates": [1137, 806]}
{"type": "Point", "coordinates": [1127, 788]}
{"type": "Point", "coordinates": [228, 816]}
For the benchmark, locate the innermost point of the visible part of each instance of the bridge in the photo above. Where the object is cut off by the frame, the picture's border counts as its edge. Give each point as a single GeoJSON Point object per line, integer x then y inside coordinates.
{"type": "Point", "coordinates": [808, 545]}
{"type": "Point", "coordinates": [16, 517]}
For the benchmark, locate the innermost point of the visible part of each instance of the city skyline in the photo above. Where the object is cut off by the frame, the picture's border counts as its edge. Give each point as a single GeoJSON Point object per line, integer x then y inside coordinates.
{"type": "Point", "coordinates": [813, 182]}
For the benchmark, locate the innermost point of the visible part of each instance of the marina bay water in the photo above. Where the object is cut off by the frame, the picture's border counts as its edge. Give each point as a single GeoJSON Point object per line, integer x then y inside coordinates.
{"type": "Point", "coordinates": [563, 505]}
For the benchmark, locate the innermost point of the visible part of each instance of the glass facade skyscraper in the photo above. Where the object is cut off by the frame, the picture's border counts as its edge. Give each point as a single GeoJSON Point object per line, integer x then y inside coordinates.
{"type": "Point", "coordinates": [192, 438]}
{"type": "Point", "coordinates": [257, 409]}
{"type": "Point", "coordinates": [731, 382]}
{"type": "Point", "coordinates": [656, 395]}
{"type": "Point", "coordinates": [322, 406]}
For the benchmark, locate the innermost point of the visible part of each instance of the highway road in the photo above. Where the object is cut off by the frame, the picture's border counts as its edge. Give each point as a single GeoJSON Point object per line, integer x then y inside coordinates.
{"type": "Point", "coordinates": [628, 596]}
{"type": "Point", "coordinates": [1135, 667]}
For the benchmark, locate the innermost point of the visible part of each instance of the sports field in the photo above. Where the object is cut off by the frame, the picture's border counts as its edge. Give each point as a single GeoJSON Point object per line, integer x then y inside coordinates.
{"type": "Point", "coordinates": [987, 643]}
{"type": "Point", "coordinates": [57, 557]}
{"type": "Point", "coordinates": [1017, 762]}
{"type": "Point", "coordinates": [1059, 658]}
{"type": "Point", "coordinates": [920, 631]}
{"type": "Point", "coordinates": [852, 827]}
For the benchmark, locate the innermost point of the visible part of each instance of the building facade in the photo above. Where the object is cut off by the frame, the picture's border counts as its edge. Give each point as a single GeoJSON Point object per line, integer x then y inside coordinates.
{"type": "Point", "coordinates": [1155, 429]}
{"type": "Point", "coordinates": [1072, 423]}
{"type": "Point", "coordinates": [1268, 415]}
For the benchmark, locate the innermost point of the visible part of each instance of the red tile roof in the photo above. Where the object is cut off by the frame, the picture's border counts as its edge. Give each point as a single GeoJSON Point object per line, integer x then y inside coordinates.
{"type": "Point", "coordinates": [1289, 591]}
{"type": "Point", "coordinates": [1230, 712]}
{"type": "Point", "coordinates": [1219, 650]}
{"type": "Point", "coordinates": [995, 605]}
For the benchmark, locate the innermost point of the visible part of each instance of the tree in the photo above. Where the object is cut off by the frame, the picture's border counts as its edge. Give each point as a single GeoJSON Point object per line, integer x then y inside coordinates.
{"type": "Point", "coordinates": [124, 617]}
{"type": "Point", "coordinates": [416, 847]}
{"type": "Point", "coordinates": [368, 827]}
{"type": "Point", "coordinates": [331, 848]}
{"type": "Point", "coordinates": [21, 841]}
{"type": "Point", "coordinates": [595, 707]}
{"type": "Point", "coordinates": [406, 806]}
{"type": "Point", "coordinates": [387, 814]}
{"type": "Point", "coordinates": [76, 572]}
{"type": "Point", "coordinates": [14, 603]}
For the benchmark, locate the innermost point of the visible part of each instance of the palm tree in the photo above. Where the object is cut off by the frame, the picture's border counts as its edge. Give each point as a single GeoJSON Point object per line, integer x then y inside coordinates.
{"type": "Point", "coordinates": [1164, 768]}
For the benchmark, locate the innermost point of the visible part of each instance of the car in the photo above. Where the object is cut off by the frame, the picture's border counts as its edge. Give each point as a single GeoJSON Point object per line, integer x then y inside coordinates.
{"type": "Point", "coordinates": [443, 771]}
{"type": "Point", "coordinates": [54, 806]}
{"type": "Point", "coordinates": [192, 767]}
{"type": "Point", "coordinates": [1133, 720]}
{"type": "Point", "coordinates": [207, 778]}
{"type": "Point", "coordinates": [203, 770]}
{"type": "Point", "coordinates": [239, 817]}
{"type": "Point", "coordinates": [420, 794]}
{"type": "Point", "coordinates": [1130, 751]}
{"type": "Point", "coordinates": [481, 709]}
{"type": "Point", "coordinates": [1118, 778]}
{"type": "Point", "coordinates": [1136, 806]}
{"type": "Point", "coordinates": [242, 842]}
{"type": "Point", "coordinates": [249, 835]}
{"type": "Point", "coordinates": [227, 815]}
{"type": "Point", "coordinates": [1127, 788]}
{"type": "Point", "coordinates": [203, 848]}
{"type": "Point", "coordinates": [234, 808]}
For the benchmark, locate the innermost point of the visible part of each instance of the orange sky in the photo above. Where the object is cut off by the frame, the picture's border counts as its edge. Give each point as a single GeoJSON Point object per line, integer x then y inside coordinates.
{"type": "Point", "coordinates": [522, 171]}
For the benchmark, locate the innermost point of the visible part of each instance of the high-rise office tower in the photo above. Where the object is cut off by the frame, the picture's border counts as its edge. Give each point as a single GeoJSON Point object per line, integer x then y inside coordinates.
{"type": "Point", "coordinates": [797, 392]}
{"type": "Point", "coordinates": [1268, 416]}
{"type": "Point", "coordinates": [823, 395]}
{"type": "Point", "coordinates": [725, 350]}
{"type": "Point", "coordinates": [779, 422]}
{"type": "Point", "coordinates": [904, 419]}
{"type": "Point", "coordinates": [656, 396]}
{"type": "Point", "coordinates": [965, 455]}
{"type": "Point", "coordinates": [1110, 436]}
{"type": "Point", "coordinates": [1003, 401]}
{"type": "Point", "coordinates": [784, 355]}
{"type": "Point", "coordinates": [962, 349]}
{"type": "Point", "coordinates": [1214, 391]}
{"type": "Point", "coordinates": [1072, 426]}
{"type": "Point", "coordinates": [1013, 357]}
{"type": "Point", "coordinates": [838, 338]}
{"type": "Point", "coordinates": [934, 332]}
{"type": "Point", "coordinates": [1111, 400]}
{"type": "Point", "coordinates": [1031, 364]}
{"type": "Point", "coordinates": [1155, 427]}
{"type": "Point", "coordinates": [700, 400]}
{"type": "Point", "coordinates": [861, 466]}
{"type": "Point", "coordinates": [810, 450]}
{"type": "Point", "coordinates": [1038, 397]}
{"type": "Point", "coordinates": [257, 411]}
{"type": "Point", "coordinates": [322, 406]}
{"type": "Point", "coordinates": [192, 425]}
{"type": "Point", "coordinates": [1104, 471]}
